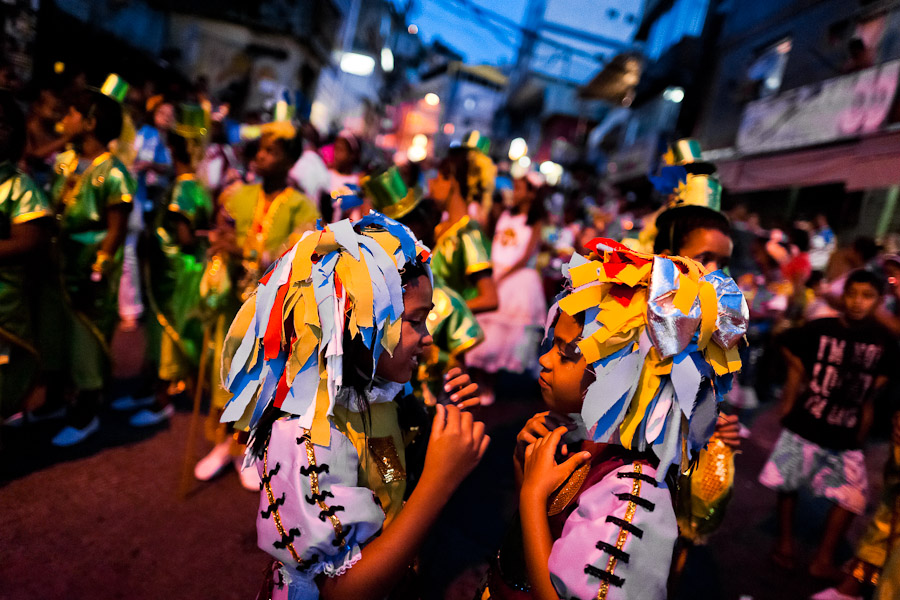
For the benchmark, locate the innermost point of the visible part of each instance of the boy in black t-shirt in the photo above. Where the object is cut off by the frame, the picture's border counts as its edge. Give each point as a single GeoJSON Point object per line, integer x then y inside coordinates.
{"type": "Point", "coordinates": [835, 367]}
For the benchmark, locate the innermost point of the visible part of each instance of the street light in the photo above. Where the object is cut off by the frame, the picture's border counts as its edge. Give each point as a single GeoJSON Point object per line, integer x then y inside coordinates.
{"type": "Point", "coordinates": [387, 60]}
{"type": "Point", "coordinates": [432, 99]}
{"type": "Point", "coordinates": [357, 64]}
{"type": "Point", "coordinates": [517, 148]}
{"type": "Point", "coordinates": [673, 94]}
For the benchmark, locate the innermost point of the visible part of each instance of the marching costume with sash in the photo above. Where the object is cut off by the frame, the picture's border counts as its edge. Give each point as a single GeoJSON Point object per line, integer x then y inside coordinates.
{"type": "Point", "coordinates": [20, 202]}
{"type": "Point", "coordinates": [329, 483]}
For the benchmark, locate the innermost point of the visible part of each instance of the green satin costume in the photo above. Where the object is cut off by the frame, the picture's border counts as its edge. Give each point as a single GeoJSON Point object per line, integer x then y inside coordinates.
{"type": "Point", "coordinates": [82, 193]}
{"type": "Point", "coordinates": [173, 278]}
{"type": "Point", "coordinates": [454, 331]}
{"type": "Point", "coordinates": [20, 202]}
{"type": "Point", "coordinates": [460, 252]}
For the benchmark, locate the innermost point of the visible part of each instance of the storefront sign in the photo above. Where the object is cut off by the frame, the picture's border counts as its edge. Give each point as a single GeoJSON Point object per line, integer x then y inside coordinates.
{"type": "Point", "coordinates": [843, 107]}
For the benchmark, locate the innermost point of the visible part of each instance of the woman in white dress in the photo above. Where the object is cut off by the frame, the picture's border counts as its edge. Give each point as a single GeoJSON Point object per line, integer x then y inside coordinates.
{"type": "Point", "coordinates": [512, 333]}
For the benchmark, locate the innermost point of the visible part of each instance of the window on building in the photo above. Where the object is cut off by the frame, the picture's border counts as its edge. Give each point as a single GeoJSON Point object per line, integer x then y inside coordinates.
{"type": "Point", "coordinates": [684, 19]}
{"type": "Point", "coordinates": [767, 70]}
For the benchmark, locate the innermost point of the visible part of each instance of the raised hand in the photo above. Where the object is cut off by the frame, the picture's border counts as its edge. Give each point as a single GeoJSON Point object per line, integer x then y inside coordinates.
{"type": "Point", "coordinates": [542, 474]}
{"type": "Point", "coordinates": [463, 392]}
{"type": "Point", "coordinates": [456, 445]}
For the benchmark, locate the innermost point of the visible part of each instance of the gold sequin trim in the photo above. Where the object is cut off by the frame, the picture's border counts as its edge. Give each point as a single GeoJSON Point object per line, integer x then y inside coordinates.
{"type": "Point", "coordinates": [314, 485]}
{"type": "Point", "coordinates": [385, 457]}
{"type": "Point", "coordinates": [623, 534]}
{"type": "Point", "coordinates": [275, 514]}
{"type": "Point", "coordinates": [565, 494]}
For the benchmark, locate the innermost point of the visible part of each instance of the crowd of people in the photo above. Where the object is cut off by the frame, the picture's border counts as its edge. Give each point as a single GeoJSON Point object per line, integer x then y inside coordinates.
{"type": "Point", "coordinates": [303, 282]}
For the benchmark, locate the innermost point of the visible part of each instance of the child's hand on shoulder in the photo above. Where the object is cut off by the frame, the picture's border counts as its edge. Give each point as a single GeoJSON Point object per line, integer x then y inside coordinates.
{"type": "Point", "coordinates": [542, 474]}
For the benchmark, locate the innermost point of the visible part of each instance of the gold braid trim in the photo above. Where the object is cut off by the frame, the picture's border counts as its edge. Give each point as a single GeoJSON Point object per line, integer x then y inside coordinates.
{"type": "Point", "coordinates": [275, 514]}
{"type": "Point", "coordinates": [623, 534]}
{"type": "Point", "coordinates": [314, 484]}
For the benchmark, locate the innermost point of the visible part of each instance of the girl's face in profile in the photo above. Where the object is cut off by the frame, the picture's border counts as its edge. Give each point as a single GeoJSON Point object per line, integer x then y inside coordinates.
{"type": "Point", "coordinates": [414, 336]}
{"type": "Point", "coordinates": [564, 373]}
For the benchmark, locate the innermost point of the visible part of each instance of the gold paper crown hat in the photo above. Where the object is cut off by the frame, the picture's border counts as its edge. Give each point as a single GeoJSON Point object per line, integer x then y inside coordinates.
{"type": "Point", "coordinates": [389, 194]}
{"type": "Point", "coordinates": [661, 335]}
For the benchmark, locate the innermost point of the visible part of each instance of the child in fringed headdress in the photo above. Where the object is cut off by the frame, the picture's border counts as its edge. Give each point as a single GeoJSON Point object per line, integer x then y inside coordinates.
{"type": "Point", "coordinates": [642, 349]}
{"type": "Point", "coordinates": [315, 360]}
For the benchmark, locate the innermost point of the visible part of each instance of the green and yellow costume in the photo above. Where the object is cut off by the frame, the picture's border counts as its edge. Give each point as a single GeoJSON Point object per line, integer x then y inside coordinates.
{"type": "Point", "coordinates": [20, 202]}
{"type": "Point", "coordinates": [82, 192]}
{"type": "Point", "coordinates": [454, 330]}
{"type": "Point", "coordinates": [174, 278]}
{"type": "Point", "coordinates": [460, 252]}
{"type": "Point", "coordinates": [264, 230]}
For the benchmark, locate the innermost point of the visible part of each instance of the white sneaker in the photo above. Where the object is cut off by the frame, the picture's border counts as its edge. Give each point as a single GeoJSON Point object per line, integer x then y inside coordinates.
{"type": "Point", "coordinates": [126, 403]}
{"type": "Point", "coordinates": [148, 417]}
{"type": "Point", "coordinates": [249, 476]}
{"type": "Point", "coordinates": [833, 594]}
{"type": "Point", "coordinates": [71, 436]}
{"type": "Point", "coordinates": [210, 465]}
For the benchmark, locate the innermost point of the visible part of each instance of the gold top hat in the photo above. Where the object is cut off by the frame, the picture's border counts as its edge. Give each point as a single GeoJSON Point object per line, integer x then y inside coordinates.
{"type": "Point", "coordinates": [192, 121]}
{"type": "Point", "coordinates": [389, 194]}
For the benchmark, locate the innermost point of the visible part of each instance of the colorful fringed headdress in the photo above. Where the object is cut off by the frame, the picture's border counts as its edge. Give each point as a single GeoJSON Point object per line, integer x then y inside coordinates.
{"type": "Point", "coordinates": [661, 335]}
{"type": "Point", "coordinates": [285, 347]}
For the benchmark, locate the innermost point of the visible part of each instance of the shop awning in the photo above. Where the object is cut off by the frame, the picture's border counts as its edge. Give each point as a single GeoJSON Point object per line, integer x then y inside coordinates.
{"type": "Point", "coordinates": [867, 163]}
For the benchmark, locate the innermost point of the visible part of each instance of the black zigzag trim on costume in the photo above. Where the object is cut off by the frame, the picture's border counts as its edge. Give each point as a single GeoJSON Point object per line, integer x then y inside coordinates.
{"type": "Point", "coordinates": [287, 538]}
{"type": "Point", "coordinates": [329, 512]}
{"type": "Point", "coordinates": [317, 469]}
{"type": "Point", "coordinates": [604, 575]}
{"type": "Point", "coordinates": [642, 502]}
{"type": "Point", "coordinates": [272, 507]}
{"type": "Point", "coordinates": [306, 565]}
{"type": "Point", "coordinates": [339, 538]}
{"type": "Point", "coordinates": [613, 551]}
{"type": "Point", "coordinates": [319, 497]}
{"type": "Point", "coordinates": [273, 471]}
{"type": "Point", "coordinates": [629, 527]}
{"type": "Point", "coordinates": [642, 476]}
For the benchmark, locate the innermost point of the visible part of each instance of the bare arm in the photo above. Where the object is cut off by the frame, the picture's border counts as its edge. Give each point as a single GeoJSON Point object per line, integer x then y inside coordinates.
{"type": "Point", "coordinates": [486, 300]}
{"type": "Point", "coordinates": [117, 228]}
{"type": "Point", "coordinates": [24, 238]}
{"type": "Point", "coordinates": [868, 410]}
{"type": "Point", "coordinates": [794, 383]}
{"type": "Point", "coordinates": [456, 445]}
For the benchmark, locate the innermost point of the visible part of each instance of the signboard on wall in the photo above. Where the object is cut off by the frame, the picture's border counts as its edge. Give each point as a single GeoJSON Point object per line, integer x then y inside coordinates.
{"type": "Point", "coordinates": [842, 107]}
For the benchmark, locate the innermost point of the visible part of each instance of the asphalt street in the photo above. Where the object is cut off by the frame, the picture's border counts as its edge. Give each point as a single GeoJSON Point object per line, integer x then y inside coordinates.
{"type": "Point", "coordinates": [106, 520]}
